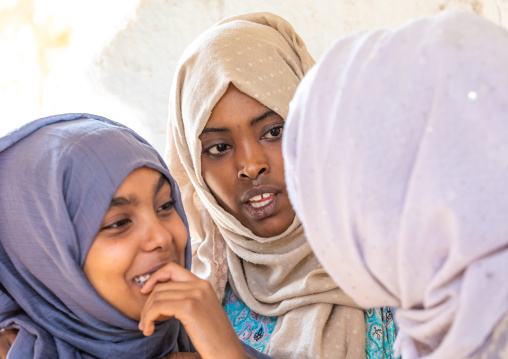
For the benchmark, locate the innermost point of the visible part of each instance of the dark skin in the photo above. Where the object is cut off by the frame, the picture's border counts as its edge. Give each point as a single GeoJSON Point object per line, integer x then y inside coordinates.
{"type": "Point", "coordinates": [242, 163]}
{"type": "Point", "coordinates": [7, 337]}
{"type": "Point", "coordinates": [242, 160]}
{"type": "Point", "coordinates": [142, 234]}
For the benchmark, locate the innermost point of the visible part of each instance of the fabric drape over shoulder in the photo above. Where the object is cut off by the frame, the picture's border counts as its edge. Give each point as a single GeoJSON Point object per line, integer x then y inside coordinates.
{"type": "Point", "coordinates": [57, 177]}
{"type": "Point", "coordinates": [396, 154]}
{"type": "Point", "coordinates": [262, 56]}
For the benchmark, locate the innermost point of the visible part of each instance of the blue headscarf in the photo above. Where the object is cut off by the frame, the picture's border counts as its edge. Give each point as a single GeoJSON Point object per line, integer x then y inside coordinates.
{"type": "Point", "coordinates": [57, 177]}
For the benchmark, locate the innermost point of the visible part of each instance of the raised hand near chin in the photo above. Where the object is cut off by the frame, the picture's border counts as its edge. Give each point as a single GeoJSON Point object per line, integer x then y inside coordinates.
{"type": "Point", "coordinates": [176, 292]}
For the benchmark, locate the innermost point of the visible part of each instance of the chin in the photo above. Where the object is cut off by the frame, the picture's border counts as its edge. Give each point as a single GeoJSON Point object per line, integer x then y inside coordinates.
{"type": "Point", "coordinates": [266, 229]}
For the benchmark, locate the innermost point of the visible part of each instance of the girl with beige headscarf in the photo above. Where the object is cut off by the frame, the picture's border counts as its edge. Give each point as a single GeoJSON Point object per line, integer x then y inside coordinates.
{"type": "Point", "coordinates": [401, 136]}
{"type": "Point", "coordinates": [228, 103]}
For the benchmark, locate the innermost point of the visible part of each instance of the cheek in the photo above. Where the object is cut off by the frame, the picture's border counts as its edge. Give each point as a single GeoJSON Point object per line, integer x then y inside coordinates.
{"type": "Point", "coordinates": [180, 234]}
{"type": "Point", "coordinates": [106, 262]}
{"type": "Point", "coordinates": [218, 177]}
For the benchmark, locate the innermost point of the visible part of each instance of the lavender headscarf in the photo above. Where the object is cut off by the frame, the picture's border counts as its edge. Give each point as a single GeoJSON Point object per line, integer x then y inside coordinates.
{"type": "Point", "coordinates": [396, 155]}
{"type": "Point", "coordinates": [57, 177]}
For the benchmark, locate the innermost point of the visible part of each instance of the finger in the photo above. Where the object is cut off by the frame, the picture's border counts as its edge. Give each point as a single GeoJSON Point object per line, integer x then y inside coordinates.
{"type": "Point", "coordinates": [166, 292]}
{"type": "Point", "coordinates": [170, 272]}
{"type": "Point", "coordinates": [164, 305]}
{"type": "Point", "coordinates": [198, 290]}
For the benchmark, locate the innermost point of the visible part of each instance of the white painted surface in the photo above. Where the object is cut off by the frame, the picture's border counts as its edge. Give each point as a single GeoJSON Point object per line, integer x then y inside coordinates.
{"type": "Point", "coordinates": [121, 59]}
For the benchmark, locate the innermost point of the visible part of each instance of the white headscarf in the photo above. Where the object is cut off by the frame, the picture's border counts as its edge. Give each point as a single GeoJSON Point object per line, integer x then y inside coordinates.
{"type": "Point", "coordinates": [262, 56]}
{"type": "Point", "coordinates": [396, 154]}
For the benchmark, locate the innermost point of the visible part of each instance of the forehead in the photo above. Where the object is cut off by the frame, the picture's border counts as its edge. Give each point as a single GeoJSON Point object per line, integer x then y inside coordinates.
{"type": "Point", "coordinates": [142, 180]}
{"type": "Point", "coordinates": [235, 107]}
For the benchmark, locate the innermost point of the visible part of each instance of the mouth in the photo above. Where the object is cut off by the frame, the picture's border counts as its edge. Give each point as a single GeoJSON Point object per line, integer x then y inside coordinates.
{"type": "Point", "coordinates": [262, 205]}
{"type": "Point", "coordinates": [141, 279]}
{"type": "Point", "coordinates": [261, 200]}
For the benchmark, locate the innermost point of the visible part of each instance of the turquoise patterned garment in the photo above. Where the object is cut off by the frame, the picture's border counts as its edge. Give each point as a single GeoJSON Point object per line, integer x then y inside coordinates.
{"type": "Point", "coordinates": [252, 329]}
{"type": "Point", "coordinates": [381, 333]}
{"type": "Point", "coordinates": [255, 330]}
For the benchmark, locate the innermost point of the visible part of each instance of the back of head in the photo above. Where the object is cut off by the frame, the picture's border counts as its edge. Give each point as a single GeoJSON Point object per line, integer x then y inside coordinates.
{"type": "Point", "coordinates": [396, 149]}
{"type": "Point", "coordinates": [57, 177]}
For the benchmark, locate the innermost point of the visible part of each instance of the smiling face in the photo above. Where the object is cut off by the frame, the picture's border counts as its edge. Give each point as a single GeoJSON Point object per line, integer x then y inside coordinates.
{"type": "Point", "coordinates": [242, 163]}
{"type": "Point", "coordinates": [140, 233]}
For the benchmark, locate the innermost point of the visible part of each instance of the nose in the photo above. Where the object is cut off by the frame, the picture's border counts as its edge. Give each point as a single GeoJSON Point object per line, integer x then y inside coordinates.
{"type": "Point", "coordinates": [252, 162]}
{"type": "Point", "coordinates": [156, 236]}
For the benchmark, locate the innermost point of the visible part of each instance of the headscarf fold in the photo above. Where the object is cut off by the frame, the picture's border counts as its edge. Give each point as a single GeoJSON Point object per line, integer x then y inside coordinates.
{"type": "Point", "coordinates": [57, 177]}
{"type": "Point", "coordinates": [396, 154]}
{"type": "Point", "coordinates": [262, 56]}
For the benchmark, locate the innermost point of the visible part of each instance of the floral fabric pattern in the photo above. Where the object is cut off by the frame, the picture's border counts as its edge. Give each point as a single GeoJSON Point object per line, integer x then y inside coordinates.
{"type": "Point", "coordinates": [381, 333]}
{"type": "Point", "coordinates": [252, 328]}
{"type": "Point", "coordinates": [255, 330]}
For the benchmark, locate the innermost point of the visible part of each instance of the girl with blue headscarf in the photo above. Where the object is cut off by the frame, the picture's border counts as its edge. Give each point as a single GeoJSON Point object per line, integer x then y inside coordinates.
{"type": "Point", "coordinates": [93, 241]}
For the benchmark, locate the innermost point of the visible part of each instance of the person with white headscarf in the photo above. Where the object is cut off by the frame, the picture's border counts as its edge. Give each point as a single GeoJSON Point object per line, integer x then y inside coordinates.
{"type": "Point", "coordinates": [396, 154]}
{"type": "Point", "coordinates": [228, 102]}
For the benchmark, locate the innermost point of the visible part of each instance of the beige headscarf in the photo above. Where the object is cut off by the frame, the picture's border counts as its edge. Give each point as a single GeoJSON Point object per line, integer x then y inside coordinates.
{"type": "Point", "coordinates": [396, 153]}
{"type": "Point", "coordinates": [263, 57]}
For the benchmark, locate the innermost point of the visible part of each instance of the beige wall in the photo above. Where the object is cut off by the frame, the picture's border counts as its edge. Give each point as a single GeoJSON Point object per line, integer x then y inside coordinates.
{"type": "Point", "coordinates": [118, 61]}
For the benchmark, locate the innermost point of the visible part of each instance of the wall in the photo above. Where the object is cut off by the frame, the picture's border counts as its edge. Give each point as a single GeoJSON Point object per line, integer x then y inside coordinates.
{"type": "Point", "coordinates": [119, 62]}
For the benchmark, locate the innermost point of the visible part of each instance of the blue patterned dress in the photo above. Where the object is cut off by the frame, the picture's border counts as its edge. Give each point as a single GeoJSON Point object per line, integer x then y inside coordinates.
{"type": "Point", "coordinates": [255, 330]}
{"type": "Point", "coordinates": [381, 333]}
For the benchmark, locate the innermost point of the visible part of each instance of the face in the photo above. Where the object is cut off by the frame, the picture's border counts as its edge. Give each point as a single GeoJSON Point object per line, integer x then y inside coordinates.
{"type": "Point", "coordinates": [242, 164]}
{"type": "Point", "coordinates": [141, 232]}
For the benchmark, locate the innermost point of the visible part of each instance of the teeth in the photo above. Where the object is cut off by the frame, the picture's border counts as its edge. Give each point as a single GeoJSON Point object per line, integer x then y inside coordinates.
{"type": "Point", "coordinates": [142, 278]}
{"type": "Point", "coordinates": [260, 204]}
{"type": "Point", "coordinates": [260, 197]}
{"type": "Point", "coordinates": [256, 198]}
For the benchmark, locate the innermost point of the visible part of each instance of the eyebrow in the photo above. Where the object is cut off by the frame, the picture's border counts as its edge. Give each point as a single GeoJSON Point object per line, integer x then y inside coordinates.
{"type": "Point", "coordinates": [123, 201]}
{"type": "Point", "coordinates": [132, 201]}
{"type": "Point", "coordinates": [252, 123]}
{"type": "Point", "coordinates": [262, 117]}
{"type": "Point", "coordinates": [160, 183]}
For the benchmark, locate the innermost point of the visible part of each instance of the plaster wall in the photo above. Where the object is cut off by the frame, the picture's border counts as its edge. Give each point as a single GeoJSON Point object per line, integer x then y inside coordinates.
{"type": "Point", "coordinates": [121, 66]}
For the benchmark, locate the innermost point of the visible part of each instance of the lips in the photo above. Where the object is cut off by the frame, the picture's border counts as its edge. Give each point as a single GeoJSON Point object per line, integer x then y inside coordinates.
{"type": "Point", "coordinates": [140, 279]}
{"type": "Point", "coordinates": [261, 202]}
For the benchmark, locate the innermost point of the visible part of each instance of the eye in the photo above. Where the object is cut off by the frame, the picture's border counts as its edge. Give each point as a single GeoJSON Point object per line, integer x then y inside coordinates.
{"type": "Point", "coordinates": [218, 150]}
{"type": "Point", "coordinates": [273, 133]}
{"type": "Point", "coordinates": [118, 224]}
{"type": "Point", "coordinates": [166, 207]}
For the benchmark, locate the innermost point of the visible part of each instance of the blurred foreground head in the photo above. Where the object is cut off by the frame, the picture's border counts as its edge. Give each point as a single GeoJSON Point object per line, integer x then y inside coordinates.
{"type": "Point", "coordinates": [396, 156]}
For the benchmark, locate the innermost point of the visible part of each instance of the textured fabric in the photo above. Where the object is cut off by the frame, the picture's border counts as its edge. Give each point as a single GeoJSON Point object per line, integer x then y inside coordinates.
{"type": "Point", "coordinates": [262, 56]}
{"type": "Point", "coordinates": [255, 330]}
{"type": "Point", "coordinates": [381, 333]}
{"type": "Point", "coordinates": [252, 328]}
{"type": "Point", "coordinates": [396, 154]}
{"type": "Point", "coordinates": [496, 345]}
{"type": "Point", "coordinates": [57, 178]}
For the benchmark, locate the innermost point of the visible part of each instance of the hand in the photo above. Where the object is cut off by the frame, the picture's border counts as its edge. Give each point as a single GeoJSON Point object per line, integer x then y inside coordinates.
{"type": "Point", "coordinates": [7, 337]}
{"type": "Point", "coordinates": [176, 292]}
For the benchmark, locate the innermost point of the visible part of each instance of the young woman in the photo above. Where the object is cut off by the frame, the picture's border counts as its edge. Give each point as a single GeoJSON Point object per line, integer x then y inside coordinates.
{"type": "Point", "coordinates": [229, 99]}
{"type": "Point", "coordinates": [396, 152]}
{"type": "Point", "coordinates": [93, 249]}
